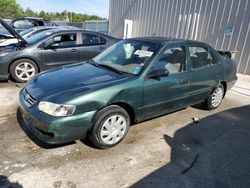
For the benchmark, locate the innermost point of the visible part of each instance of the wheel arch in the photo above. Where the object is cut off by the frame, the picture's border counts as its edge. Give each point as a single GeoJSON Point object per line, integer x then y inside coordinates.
{"type": "Point", "coordinates": [224, 84]}
{"type": "Point", "coordinates": [129, 109]}
{"type": "Point", "coordinates": [31, 59]}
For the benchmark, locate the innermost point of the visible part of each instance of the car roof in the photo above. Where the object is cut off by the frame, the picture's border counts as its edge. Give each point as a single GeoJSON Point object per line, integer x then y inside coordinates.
{"type": "Point", "coordinates": [31, 18]}
{"type": "Point", "coordinates": [65, 29]}
{"type": "Point", "coordinates": [164, 40]}
{"type": "Point", "coordinates": [42, 27]}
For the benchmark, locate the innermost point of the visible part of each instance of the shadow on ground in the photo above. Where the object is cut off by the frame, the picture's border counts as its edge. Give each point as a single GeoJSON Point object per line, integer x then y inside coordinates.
{"type": "Point", "coordinates": [5, 183]}
{"type": "Point", "coordinates": [212, 153]}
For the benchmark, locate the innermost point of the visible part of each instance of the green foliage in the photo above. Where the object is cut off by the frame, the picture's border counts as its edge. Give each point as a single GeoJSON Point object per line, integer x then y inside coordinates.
{"type": "Point", "coordinates": [9, 9]}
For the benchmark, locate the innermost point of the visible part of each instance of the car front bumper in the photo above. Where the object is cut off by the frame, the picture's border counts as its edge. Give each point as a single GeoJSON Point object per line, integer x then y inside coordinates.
{"type": "Point", "coordinates": [52, 130]}
{"type": "Point", "coordinates": [231, 83]}
{"type": "Point", "coordinates": [4, 68]}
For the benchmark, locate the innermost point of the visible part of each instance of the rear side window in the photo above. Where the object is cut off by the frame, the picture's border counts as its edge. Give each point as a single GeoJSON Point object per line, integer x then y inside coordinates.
{"type": "Point", "coordinates": [47, 23]}
{"type": "Point", "coordinates": [200, 57]}
{"type": "Point", "coordinates": [91, 40]}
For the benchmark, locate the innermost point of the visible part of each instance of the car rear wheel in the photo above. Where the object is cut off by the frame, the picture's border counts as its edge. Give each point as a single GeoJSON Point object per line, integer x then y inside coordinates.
{"type": "Point", "coordinates": [22, 70]}
{"type": "Point", "coordinates": [109, 127]}
{"type": "Point", "coordinates": [215, 98]}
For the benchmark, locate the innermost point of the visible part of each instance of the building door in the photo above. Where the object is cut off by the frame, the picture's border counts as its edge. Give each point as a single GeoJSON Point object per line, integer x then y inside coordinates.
{"type": "Point", "coordinates": [128, 27]}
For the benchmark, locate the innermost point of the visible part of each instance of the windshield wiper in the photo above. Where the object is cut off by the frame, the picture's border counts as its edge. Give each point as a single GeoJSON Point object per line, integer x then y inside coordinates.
{"type": "Point", "coordinates": [92, 62]}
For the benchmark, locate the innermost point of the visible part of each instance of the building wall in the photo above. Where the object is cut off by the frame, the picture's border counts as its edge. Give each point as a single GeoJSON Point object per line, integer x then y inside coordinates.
{"type": "Point", "coordinates": [97, 25]}
{"type": "Point", "coordinates": [205, 20]}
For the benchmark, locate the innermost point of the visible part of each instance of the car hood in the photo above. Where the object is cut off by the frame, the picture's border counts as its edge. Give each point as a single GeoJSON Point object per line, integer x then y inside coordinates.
{"type": "Point", "coordinates": [9, 42]}
{"type": "Point", "coordinates": [14, 33]}
{"type": "Point", "coordinates": [71, 80]}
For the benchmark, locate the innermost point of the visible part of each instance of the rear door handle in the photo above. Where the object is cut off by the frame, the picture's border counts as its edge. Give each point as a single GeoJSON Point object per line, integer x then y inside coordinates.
{"type": "Point", "coordinates": [73, 50]}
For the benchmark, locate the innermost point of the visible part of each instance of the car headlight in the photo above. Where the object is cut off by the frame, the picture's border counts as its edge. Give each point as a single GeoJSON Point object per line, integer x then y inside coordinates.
{"type": "Point", "coordinates": [57, 110]}
{"type": "Point", "coordinates": [3, 54]}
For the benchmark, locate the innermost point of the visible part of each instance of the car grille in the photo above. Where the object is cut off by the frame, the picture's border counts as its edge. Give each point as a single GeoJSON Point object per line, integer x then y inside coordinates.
{"type": "Point", "coordinates": [29, 100]}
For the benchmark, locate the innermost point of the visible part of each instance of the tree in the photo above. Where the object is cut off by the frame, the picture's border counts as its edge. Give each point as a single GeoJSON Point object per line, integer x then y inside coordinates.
{"type": "Point", "coordinates": [29, 12]}
{"type": "Point", "coordinates": [10, 9]}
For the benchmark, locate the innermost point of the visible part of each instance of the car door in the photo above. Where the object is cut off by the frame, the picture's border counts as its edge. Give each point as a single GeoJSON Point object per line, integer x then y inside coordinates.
{"type": "Point", "coordinates": [91, 46]}
{"type": "Point", "coordinates": [205, 70]}
{"type": "Point", "coordinates": [61, 49]}
{"type": "Point", "coordinates": [171, 92]}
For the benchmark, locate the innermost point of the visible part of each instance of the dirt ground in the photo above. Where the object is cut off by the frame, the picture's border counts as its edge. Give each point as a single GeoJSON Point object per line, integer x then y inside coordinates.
{"type": "Point", "coordinates": [169, 151]}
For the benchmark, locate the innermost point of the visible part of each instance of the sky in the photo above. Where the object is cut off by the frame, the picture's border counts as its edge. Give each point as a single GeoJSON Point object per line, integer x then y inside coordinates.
{"type": "Point", "coordinates": [96, 7]}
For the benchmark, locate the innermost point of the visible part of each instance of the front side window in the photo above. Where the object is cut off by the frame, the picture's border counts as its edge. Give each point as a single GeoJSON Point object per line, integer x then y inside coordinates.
{"type": "Point", "coordinates": [200, 57]}
{"type": "Point", "coordinates": [36, 23]}
{"type": "Point", "coordinates": [62, 41]}
{"type": "Point", "coordinates": [90, 40]}
{"type": "Point", "coordinates": [173, 60]}
{"type": "Point", "coordinates": [129, 56]}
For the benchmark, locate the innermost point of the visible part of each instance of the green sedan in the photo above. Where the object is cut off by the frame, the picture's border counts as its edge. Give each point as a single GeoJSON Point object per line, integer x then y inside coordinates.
{"type": "Point", "coordinates": [132, 81]}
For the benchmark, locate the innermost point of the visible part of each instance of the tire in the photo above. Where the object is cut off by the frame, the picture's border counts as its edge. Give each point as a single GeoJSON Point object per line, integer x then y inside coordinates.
{"type": "Point", "coordinates": [215, 98]}
{"type": "Point", "coordinates": [105, 135]}
{"type": "Point", "coordinates": [22, 70]}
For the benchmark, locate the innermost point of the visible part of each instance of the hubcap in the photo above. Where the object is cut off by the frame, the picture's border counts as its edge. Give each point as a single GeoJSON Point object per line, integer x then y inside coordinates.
{"type": "Point", "coordinates": [217, 97]}
{"type": "Point", "coordinates": [113, 129]}
{"type": "Point", "coordinates": [25, 70]}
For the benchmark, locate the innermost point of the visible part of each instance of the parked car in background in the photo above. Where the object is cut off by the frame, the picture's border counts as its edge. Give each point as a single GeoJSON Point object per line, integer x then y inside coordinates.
{"type": "Point", "coordinates": [132, 81]}
{"type": "Point", "coordinates": [20, 24]}
{"type": "Point", "coordinates": [4, 35]}
{"type": "Point", "coordinates": [27, 33]}
{"type": "Point", "coordinates": [48, 49]}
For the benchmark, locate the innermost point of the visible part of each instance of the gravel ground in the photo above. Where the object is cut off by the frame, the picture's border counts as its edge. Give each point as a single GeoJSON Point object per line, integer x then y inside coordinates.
{"type": "Point", "coordinates": [169, 151]}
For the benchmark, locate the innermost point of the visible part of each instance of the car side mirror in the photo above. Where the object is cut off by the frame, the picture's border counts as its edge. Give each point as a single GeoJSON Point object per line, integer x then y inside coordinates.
{"type": "Point", "coordinates": [156, 73]}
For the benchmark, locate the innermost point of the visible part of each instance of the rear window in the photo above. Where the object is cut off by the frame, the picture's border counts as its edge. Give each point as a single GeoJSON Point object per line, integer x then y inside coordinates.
{"type": "Point", "coordinates": [91, 40]}
{"type": "Point", "coordinates": [200, 57]}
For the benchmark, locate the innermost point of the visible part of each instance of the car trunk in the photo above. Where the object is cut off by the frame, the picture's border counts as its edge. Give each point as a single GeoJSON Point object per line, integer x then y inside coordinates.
{"type": "Point", "coordinates": [228, 54]}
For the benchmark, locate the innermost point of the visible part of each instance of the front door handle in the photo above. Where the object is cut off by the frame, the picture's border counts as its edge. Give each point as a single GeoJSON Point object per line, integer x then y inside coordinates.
{"type": "Point", "coordinates": [185, 82]}
{"type": "Point", "coordinates": [73, 50]}
{"type": "Point", "coordinates": [102, 47]}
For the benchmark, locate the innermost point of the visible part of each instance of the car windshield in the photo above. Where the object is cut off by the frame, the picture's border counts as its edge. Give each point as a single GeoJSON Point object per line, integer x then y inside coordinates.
{"type": "Point", "coordinates": [38, 37]}
{"type": "Point", "coordinates": [24, 32]}
{"type": "Point", "coordinates": [128, 56]}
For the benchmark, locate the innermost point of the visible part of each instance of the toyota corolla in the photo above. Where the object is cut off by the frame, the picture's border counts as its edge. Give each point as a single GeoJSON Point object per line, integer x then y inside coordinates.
{"type": "Point", "coordinates": [132, 81]}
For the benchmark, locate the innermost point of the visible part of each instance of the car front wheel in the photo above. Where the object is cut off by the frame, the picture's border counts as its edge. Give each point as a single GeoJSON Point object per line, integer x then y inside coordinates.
{"type": "Point", "coordinates": [109, 127]}
{"type": "Point", "coordinates": [22, 70]}
{"type": "Point", "coordinates": [215, 98]}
